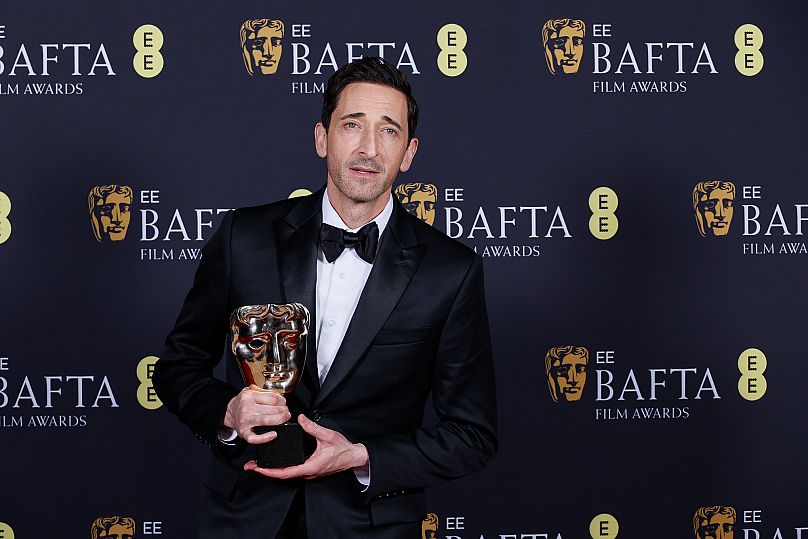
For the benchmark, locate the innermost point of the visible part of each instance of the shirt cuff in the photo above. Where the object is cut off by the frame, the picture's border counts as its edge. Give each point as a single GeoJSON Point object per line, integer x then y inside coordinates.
{"type": "Point", "coordinates": [363, 476]}
{"type": "Point", "coordinates": [227, 436]}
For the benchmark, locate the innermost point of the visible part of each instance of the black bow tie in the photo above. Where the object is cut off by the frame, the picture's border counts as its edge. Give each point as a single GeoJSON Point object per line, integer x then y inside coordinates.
{"type": "Point", "coordinates": [334, 240]}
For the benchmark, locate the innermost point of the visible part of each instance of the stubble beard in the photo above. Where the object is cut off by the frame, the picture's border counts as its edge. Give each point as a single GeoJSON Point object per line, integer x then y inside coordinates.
{"type": "Point", "coordinates": [357, 189]}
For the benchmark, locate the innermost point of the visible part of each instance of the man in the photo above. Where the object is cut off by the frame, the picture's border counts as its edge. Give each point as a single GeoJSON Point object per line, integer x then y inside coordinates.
{"type": "Point", "coordinates": [565, 367]}
{"type": "Point", "coordinates": [563, 41]}
{"type": "Point", "coordinates": [714, 522]}
{"type": "Point", "coordinates": [109, 211]}
{"type": "Point", "coordinates": [377, 349]}
{"type": "Point", "coordinates": [419, 199]}
{"type": "Point", "coordinates": [262, 45]}
{"type": "Point", "coordinates": [714, 203]}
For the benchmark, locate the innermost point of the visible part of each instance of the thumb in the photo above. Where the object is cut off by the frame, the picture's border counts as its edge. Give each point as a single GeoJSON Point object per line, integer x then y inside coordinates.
{"type": "Point", "coordinates": [311, 427]}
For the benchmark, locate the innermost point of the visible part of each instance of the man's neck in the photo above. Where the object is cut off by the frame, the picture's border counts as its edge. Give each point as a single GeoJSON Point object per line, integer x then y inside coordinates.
{"type": "Point", "coordinates": [356, 214]}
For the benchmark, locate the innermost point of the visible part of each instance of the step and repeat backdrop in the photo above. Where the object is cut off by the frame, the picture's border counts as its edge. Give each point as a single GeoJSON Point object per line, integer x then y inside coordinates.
{"type": "Point", "coordinates": [631, 174]}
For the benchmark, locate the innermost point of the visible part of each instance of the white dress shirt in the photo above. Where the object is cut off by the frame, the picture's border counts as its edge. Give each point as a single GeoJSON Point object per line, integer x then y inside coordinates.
{"type": "Point", "coordinates": [339, 285]}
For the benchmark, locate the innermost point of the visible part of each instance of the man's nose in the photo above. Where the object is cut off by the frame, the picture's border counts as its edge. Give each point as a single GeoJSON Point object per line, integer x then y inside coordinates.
{"type": "Point", "coordinates": [369, 144]}
{"type": "Point", "coordinates": [720, 212]}
{"type": "Point", "coordinates": [115, 216]}
{"type": "Point", "coordinates": [573, 377]}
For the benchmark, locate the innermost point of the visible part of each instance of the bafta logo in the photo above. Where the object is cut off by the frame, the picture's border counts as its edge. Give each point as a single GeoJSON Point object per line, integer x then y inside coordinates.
{"type": "Point", "coordinates": [714, 522]}
{"type": "Point", "coordinates": [429, 526]}
{"type": "Point", "coordinates": [109, 211]}
{"type": "Point", "coordinates": [565, 367]}
{"type": "Point", "coordinates": [713, 203]}
{"type": "Point", "coordinates": [113, 528]}
{"type": "Point", "coordinates": [563, 41]}
{"type": "Point", "coordinates": [261, 45]}
{"type": "Point", "coordinates": [419, 199]}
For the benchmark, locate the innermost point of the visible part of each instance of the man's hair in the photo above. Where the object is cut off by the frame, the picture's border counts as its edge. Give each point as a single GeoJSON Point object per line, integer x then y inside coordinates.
{"type": "Point", "coordinates": [555, 25]}
{"type": "Point", "coordinates": [705, 513]}
{"type": "Point", "coordinates": [105, 523]}
{"type": "Point", "coordinates": [406, 190]}
{"type": "Point", "coordinates": [253, 25]}
{"type": "Point", "coordinates": [373, 70]}
{"type": "Point", "coordinates": [97, 196]}
{"type": "Point", "coordinates": [705, 188]}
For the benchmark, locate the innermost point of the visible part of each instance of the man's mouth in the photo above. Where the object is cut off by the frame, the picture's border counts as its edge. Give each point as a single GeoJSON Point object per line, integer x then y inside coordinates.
{"type": "Point", "coordinates": [365, 168]}
{"type": "Point", "coordinates": [569, 62]}
{"type": "Point", "coordinates": [266, 63]}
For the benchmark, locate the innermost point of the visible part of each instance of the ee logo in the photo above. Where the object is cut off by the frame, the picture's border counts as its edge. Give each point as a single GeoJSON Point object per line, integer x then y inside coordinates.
{"type": "Point", "coordinates": [5, 531]}
{"type": "Point", "coordinates": [603, 203]}
{"type": "Point", "coordinates": [148, 40]}
{"type": "Point", "coordinates": [452, 39]}
{"type": "Point", "coordinates": [146, 395]}
{"type": "Point", "coordinates": [748, 59]}
{"type": "Point", "coordinates": [752, 384]}
{"type": "Point", "coordinates": [5, 224]}
{"type": "Point", "coordinates": [603, 526]}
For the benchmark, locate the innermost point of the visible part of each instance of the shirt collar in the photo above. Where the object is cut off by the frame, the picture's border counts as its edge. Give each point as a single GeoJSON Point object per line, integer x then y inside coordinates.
{"type": "Point", "coordinates": [331, 217]}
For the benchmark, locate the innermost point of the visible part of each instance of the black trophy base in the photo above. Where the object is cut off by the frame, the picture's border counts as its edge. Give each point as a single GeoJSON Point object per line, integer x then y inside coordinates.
{"type": "Point", "coordinates": [291, 447]}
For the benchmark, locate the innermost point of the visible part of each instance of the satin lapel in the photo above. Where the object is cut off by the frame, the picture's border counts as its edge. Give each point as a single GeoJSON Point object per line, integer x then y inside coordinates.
{"type": "Point", "coordinates": [397, 260]}
{"type": "Point", "coordinates": [297, 237]}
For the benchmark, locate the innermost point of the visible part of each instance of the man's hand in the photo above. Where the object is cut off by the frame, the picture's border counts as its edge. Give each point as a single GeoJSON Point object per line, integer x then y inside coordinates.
{"type": "Point", "coordinates": [255, 407]}
{"type": "Point", "coordinates": [334, 454]}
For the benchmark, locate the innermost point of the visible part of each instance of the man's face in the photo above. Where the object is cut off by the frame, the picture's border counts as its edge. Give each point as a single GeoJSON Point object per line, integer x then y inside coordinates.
{"type": "Point", "coordinates": [422, 205]}
{"type": "Point", "coordinates": [569, 375]}
{"type": "Point", "coordinates": [366, 144]}
{"type": "Point", "coordinates": [717, 527]}
{"type": "Point", "coordinates": [118, 531]}
{"type": "Point", "coordinates": [113, 216]}
{"type": "Point", "coordinates": [566, 47]}
{"type": "Point", "coordinates": [265, 47]}
{"type": "Point", "coordinates": [716, 212]}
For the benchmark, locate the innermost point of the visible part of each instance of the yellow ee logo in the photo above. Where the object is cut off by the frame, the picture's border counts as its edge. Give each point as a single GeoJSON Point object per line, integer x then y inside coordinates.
{"type": "Point", "coordinates": [452, 39]}
{"type": "Point", "coordinates": [603, 203]}
{"type": "Point", "coordinates": [146, 395]}
{"type": "Point", "coordinates": [603, 526]}
{"type": "Point", "coordinates": [148, 40]}
{"type": "Point", "coordinates": [748, 59]}
{"type": "Point", "coordinates": [5, 224]}
{"type": "Point", "coordinates": [752, 384]}
{"type": "Point", "coordinates": [5, 531]}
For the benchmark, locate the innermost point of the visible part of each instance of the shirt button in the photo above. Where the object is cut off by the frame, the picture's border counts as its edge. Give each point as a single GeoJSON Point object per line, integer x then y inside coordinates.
{"type": "Point", "coordinates": [331, 323]}
{"type": "Point", "coordinates": [341, 275]}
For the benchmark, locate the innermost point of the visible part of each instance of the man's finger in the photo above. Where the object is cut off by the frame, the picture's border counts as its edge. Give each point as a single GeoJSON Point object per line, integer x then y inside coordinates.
{"type": "Point", "coordinates": [313, 428]}
{"type": "Point", "coordinates": [280, 473]}
{"type": "Point", "coordinates": [252, 438]}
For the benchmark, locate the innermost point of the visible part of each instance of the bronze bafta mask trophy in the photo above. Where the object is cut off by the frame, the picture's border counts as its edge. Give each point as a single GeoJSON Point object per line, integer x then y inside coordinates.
{"type": "Point", "coordinates": [269, 343]}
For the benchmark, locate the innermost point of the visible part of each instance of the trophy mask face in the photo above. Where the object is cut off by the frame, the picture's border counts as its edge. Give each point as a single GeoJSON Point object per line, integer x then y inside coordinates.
{"type": "Point", "coordinates": [269, 342]}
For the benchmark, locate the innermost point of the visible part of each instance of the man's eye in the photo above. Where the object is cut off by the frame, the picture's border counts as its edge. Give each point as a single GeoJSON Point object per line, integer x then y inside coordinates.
{"type": "Point", "coordinates": [255, 344]}
{"type": "Point", "coordinates": [106, 209]}
{"type": "Point", "coordinates": [581, 368]}
{"type": "Point", "coordinates": [257, 43]}
{"type": "Point", "coordinates": [125, 208]}
{"type": "Point", "coordinates": [429, 206]}
{"type": "Point", "coordinates": [709, 205]}
{"type": "Point", "coordinates": [578, 41]}
{"type": "Point", "coordinates": [558, 43]}
{"type": "Point", "coordinates": [276, 42]}
{"type": "Point", "coordinates": [351, 125]}
{"type": "Point", "coordinates": [390, 131]}
{"type": "Point", "coordinates": [729, 203]}
{"type": "Point", "coordinates": [411, 207]}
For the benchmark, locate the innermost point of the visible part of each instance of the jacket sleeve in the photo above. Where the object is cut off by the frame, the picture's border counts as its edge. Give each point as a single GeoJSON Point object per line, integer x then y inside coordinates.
{"type": "Point", "coordinates": [183, 377]}
{"type": "Point", "coordinates": [464, 398]}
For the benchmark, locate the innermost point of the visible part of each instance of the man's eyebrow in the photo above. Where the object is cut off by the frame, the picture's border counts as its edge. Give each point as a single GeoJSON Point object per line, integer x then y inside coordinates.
{"type": "Point", "coordinates": [354, 115]}
{"type": "Point", "coordinates": [386, 118]}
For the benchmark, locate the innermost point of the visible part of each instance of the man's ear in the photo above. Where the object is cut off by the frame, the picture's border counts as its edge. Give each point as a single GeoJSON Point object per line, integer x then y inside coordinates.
{"type": "Point", "coordinates": [409, 154]}
{"type": "Point", "coordinates": [320, 140]}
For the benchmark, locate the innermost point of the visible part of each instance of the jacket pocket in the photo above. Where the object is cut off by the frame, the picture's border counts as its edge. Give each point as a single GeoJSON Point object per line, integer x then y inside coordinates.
{"type": "Point", "coordinates": [402, 336]}
{"type": "Point", "coordinates": [406, 507]}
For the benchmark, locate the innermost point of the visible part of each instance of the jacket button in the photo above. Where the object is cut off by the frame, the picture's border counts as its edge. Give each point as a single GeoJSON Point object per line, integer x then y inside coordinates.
{"type": "Point", "coordinates": [316, 416]}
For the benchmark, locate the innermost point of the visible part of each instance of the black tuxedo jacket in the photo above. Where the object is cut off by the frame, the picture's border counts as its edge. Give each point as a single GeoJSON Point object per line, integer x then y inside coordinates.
{"type": "Point", "coordinates": [420, 329]}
